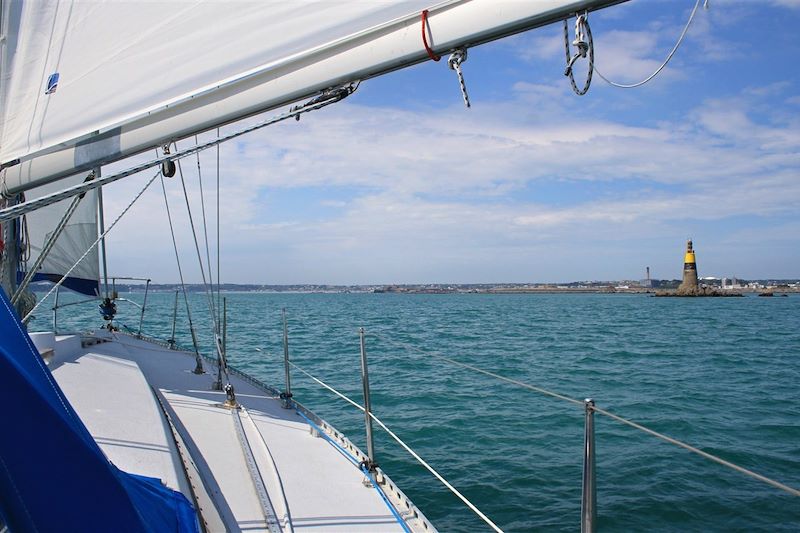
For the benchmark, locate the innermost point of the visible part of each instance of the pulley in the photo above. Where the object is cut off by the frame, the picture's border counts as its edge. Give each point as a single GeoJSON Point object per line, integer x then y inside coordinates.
{"type": "Point", "coordinates": [167, 167]}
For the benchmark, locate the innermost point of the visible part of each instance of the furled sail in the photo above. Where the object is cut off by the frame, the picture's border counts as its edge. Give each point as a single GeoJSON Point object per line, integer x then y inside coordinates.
{"type": "Point", "coordinates": [54, 476]}
{"type": "Point", "coordinates": [77, 236]}
{"type": "Point", "coordinates": [85, 83]}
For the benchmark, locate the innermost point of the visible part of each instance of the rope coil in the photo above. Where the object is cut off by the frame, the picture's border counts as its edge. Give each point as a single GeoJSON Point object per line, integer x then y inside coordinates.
{"type": "Point", "coordinates": [585, 45]}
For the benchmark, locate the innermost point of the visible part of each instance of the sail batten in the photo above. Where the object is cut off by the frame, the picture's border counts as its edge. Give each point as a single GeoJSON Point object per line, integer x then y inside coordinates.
{"type": "Point", "coordinates": [157, 78]}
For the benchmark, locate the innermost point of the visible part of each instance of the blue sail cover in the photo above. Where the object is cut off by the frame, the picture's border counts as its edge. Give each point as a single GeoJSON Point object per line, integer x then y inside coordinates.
{"type": "Point", "coordinates": [53, 475]}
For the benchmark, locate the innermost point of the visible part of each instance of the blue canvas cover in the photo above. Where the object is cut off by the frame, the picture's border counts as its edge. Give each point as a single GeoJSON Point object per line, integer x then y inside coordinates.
{"type": "Point", "coordinates": [53, 475]}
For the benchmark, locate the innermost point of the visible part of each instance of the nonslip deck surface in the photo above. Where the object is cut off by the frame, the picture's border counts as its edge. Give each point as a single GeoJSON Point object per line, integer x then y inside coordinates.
{"type": "Point", "coordinates": [109, 385]}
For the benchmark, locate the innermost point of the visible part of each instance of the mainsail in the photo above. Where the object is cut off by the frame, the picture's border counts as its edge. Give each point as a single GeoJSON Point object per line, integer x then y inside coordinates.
{"type": "Point", "coordinates": [87, 83]}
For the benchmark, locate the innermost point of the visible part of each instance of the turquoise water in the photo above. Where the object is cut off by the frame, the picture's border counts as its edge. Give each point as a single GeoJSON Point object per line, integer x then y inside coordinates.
{"type": "Point", "coordinates": [719, 373]}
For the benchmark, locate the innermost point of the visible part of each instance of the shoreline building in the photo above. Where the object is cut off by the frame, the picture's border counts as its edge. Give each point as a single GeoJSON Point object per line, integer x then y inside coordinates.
{"type": "Point", "coordinates": [648, 282]}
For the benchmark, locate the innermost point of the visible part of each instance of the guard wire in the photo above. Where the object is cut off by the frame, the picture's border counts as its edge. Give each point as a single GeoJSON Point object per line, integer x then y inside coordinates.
{"type": "Point", "coordinates": [714, 458]}
{"type": "Point", "coordinates": [405, 446]}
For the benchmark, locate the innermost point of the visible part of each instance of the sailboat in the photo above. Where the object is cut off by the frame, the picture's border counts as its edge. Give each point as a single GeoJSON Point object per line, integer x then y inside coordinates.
{"type": "Point", "coordinates": [109, 431]}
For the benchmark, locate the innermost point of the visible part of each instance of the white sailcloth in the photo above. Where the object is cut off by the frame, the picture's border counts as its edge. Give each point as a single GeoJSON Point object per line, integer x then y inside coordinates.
{"type": "Point", "coordinates": [78, 235]}
{"type": "Point", "coordinates": [86, 83]}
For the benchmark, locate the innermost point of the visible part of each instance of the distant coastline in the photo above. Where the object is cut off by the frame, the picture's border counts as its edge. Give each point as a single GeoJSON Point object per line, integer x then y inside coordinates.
{"type": "Point", "coordinates": [777, 286]}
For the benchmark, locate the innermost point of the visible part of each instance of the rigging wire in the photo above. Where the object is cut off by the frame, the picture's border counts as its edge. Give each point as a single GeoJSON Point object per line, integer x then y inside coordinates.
{"type": "Point", "coordinates": [200, 259]}
{"type": "Point", "coordinates": [219, 286]}
{"type": "Point", "coordinates": [664, 63]}
{"type": "Point", "coordinates": [28, 316]}
{"type": "Point", "coordinates": [180, 272]}
{"type": "Point", "coordinates": [205, 224]}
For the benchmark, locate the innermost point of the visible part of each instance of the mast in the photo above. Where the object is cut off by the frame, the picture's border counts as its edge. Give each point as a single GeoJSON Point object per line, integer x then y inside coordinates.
{"type": "Point", "coordinates": [9, 255]}
{"type": "Point", "coordinates": [101, 228]}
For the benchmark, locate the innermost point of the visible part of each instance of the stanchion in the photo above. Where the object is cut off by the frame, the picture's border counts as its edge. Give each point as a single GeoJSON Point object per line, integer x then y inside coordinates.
{"type": "Point", "coordinates": [370, 463]}
{"type": "Point", "coordinates": [589, 496]}
{"type": "Point", "coordinates": [286, 395]}
{"type": "Point", "coordinates": [171, 340]}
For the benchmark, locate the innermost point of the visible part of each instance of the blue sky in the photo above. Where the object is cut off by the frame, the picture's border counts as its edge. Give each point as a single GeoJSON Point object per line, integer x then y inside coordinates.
{"type": "Point", "coordinates": [402, 184]}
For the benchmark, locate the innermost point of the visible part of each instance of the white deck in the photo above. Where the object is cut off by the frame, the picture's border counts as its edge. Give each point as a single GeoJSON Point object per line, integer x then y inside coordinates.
{"type": "Point", "coordinates": [109, 385]}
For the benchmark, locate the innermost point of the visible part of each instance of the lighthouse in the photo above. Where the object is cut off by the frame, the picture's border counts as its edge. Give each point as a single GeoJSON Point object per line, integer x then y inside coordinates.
{"type": "Point", "coordinates": [689, 283]}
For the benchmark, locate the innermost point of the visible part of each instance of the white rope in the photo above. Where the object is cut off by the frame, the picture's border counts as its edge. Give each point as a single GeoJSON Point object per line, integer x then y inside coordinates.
{"type": "Point", "coordinates": [666, 61]}
{"type": "Point", "coordinates": [414, 454]}
{"type": "Point", "coordinates": [585, 45]}
{"type": "Point", "coordinates": [337, 393]}
{"type": "Point", "coordinates": [101, 237]}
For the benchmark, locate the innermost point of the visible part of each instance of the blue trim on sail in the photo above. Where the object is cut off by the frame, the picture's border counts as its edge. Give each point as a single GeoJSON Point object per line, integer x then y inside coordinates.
{"type": "Point", "coordinates": [53, 475]}
{"type": "Point", "coordinates": [89, 287]}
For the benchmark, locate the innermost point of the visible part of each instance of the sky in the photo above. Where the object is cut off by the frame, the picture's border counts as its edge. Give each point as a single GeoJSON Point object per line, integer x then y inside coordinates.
{"type": "Point", "coordinates": [401, 183]}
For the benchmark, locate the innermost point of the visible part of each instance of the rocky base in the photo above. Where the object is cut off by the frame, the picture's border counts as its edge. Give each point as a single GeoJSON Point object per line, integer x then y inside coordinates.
{"type": "Point", "coordinates": [697, 292]}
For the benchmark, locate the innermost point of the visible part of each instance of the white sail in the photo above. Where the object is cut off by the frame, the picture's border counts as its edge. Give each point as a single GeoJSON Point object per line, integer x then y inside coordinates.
{"type": "Point", "coordinates": [86, 83]}
{"type": "Point", "coordinates": [78, 235]}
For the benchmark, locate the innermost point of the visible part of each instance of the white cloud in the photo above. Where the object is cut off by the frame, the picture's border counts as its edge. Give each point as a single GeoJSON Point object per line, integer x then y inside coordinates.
{"type": "Point", "coordinates": [445, 190]}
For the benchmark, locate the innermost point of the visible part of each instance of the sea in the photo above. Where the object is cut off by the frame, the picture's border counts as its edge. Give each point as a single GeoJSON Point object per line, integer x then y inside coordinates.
{"type": "Point", "coordinates": [722, 374]}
